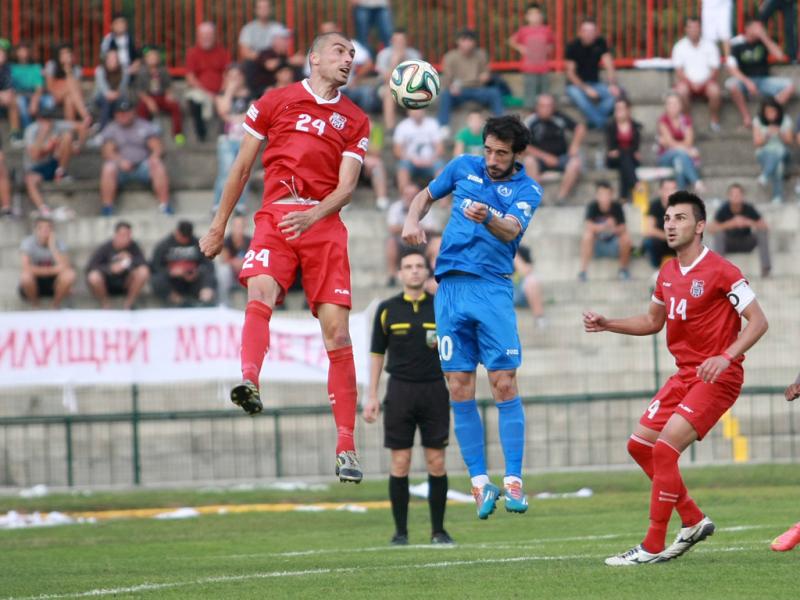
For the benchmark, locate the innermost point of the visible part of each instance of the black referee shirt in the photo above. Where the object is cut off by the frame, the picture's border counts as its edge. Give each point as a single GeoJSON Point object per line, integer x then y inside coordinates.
{"type": "Point", "coordinates": [407, 329]}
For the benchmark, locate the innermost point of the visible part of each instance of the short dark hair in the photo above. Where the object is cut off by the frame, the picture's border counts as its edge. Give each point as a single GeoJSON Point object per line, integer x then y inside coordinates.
{"type": "Point", "coordinates": [591, 20]}
{"type": "Point", "coordinates": [402, 30]}
{"type": "Point", "coordinates": [604, 184]}
{"type": "Point", "coordinates": [736, 185]}
{"type": "Point", "coordinates": [534, 6]}
{"type": "Point", "coordinates": [508, 128]}
{"type": "Point", "coordinates": [769, 101]}
{"type": "Point", "coordinates": [691, 19]}
{"type": "Point", "coordinates": [467, 33]}
{"type": "Point", "coordinates": [185, 228]}
{"type": "Point", "coordinates": [412, 251]}
{"type": "Point", "coordinates": [684, 197]}
{"type": "Point", "coordinates": [122, 225]}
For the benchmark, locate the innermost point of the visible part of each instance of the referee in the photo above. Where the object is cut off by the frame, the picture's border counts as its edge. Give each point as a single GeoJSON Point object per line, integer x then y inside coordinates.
{"type": "Point", "coordinates": [416, 395]}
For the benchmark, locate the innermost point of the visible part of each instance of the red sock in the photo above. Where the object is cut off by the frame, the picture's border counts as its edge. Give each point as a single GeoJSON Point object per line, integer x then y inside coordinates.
{"type": "Point", "coordinates": [343, 396]}
{"type": "Point", "coordinates": [642, 452]}
{"type": "Point", "coordinates": [667, 484]}
{"type": "Point", "coordinates": [255, 339]}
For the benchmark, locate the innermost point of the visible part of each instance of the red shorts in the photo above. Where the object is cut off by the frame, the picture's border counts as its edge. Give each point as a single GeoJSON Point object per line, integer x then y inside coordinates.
{"type": "Point", "coordinates": [702, 404]}
{"type": "Point", "coordinates": [320, 252]}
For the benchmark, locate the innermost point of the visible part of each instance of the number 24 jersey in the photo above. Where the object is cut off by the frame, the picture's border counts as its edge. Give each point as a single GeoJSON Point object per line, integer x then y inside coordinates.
{"type": "Point", "coordinates": [703, 302]}
{"type": "Point", "coordinates": [307, 137]}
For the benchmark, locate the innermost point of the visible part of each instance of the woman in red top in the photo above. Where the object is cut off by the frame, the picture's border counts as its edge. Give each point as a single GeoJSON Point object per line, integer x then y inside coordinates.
{"type": "Point", "coordinates": [676, 147]}
{"type": "Point", "coordinates": [623, 136]}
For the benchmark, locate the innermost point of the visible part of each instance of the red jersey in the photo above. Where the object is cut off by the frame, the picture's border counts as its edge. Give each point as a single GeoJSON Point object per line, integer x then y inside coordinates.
{"type": "Point", "coordinates": [704, 302]}
{"type": "Point", "coordinates": [307, 138]}
{"type": "Point", "coordinates": [208, 66]}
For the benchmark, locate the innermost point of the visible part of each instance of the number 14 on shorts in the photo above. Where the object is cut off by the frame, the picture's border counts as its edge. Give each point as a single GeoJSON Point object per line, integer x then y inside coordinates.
{"type": "Point", "coordinates": [262, 257]}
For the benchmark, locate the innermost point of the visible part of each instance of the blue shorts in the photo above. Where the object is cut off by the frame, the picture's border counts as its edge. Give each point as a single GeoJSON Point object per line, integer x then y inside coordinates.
{"type": "Point", "coordinates": [140, 173]}
{"type": "Point", "coordinates": [476, 322]}
{"type": "Point", "coordinates": [767, 86]}
{"type": "Point", "coordinates": [47, 169]}
{"type": "Point", "coordinates": [606, 248]}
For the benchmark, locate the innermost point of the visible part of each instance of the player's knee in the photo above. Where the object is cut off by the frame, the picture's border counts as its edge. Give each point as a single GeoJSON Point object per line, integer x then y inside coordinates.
{"type": "Point", "coordinates": [664, 455]}
{"type": "Point", "coordinates": [435, 462]}
{"type": "Point", "coordinates": [504, 387]}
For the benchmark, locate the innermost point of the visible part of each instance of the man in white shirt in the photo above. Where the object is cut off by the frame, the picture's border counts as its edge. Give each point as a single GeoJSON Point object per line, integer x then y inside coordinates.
{"type": "Point", "coordinates": [257, 35]}
{"type": "Point", "coordinates": [418, 148]}
{"type": "Point", "coordinates": [696, 63]}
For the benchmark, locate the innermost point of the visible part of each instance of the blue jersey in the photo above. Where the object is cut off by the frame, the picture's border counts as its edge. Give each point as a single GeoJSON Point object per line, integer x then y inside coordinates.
{"type": "Point", "coordinates": [470, 247]}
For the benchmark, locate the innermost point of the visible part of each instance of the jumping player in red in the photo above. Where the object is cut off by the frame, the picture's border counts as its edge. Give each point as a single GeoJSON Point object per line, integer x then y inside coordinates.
{"type": "Point", "coordinates": [701, 297]}
{"type": "Point", "coordinates": [316, 142]}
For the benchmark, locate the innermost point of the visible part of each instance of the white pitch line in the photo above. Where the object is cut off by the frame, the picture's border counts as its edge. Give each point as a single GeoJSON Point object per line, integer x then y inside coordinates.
{"type": "Point", "coordinates": [432, 547]}
{"type": "Point", "coordinates": [149, 587]}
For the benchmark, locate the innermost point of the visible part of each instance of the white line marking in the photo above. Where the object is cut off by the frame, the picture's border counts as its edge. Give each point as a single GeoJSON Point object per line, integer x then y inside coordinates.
{"type": "Point", "coordinates": [148, 587]}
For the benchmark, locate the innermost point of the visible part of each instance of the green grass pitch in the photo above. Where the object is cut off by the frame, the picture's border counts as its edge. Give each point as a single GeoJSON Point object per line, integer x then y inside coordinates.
{"type": "Point", "coordinates": [555, 551]}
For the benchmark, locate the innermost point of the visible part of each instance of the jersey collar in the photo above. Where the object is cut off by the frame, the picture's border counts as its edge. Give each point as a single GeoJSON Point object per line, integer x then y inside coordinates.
{"type": "Point", "coordinates": [685, 270]}
{"type": "Point", "coordinates": [320, 99]}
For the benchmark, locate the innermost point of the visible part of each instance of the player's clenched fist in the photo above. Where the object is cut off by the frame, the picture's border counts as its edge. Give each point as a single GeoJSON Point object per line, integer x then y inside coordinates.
{"type": "Point", "coordinates": [413, 234]}
{"type": "Point", "coordinates": [792, 392]}
{"type": "Point", "coordinates": [593, 323]}
{"type": "Point", "coordinates": [476, 211]}
{"type": "Point", "coordinates": [211, 243]}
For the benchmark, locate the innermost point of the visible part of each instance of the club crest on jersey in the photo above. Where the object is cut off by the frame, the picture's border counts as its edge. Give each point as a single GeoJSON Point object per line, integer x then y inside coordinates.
{"type": "Point", "coordinates": [697, 288]}
{"type": "Point", "coordinates": [338, 121]}
{"type": "Point", "coordinates": [504, 190]}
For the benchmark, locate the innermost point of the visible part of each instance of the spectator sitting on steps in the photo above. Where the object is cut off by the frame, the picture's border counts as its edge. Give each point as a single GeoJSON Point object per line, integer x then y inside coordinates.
{"type": "Point", "coordinates": [182, 275]}
{"type": "Point", "coordinates": [118, 268]}
{"type": "Point", "coordinates": [46, 269]}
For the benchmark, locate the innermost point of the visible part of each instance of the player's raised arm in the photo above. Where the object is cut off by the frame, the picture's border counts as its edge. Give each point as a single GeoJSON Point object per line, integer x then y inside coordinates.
{"type": "Point", "coordinates": [413, 234]}
{"type": "Point", "coordinates": [211, 242]}
{"type": "Point", "coordinates": [646, 324]}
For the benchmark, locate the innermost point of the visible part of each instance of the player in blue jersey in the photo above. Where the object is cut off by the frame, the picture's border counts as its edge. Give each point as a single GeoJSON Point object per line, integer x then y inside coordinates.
{"type": "Point", "coordinates": [493, 202]}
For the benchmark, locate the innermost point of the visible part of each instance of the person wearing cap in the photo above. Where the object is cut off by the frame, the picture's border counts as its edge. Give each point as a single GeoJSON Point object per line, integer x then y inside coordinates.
{"type": "Point", "coordinates": [182, 275]}
{"type": "Point", "coordinates": [206, 63]}
{"type": "Point", "coordinates": [46, 270]}
{"type": "Point", "coordinates": [465, 78]}
{"type": "Point", "coordinates": [49, 149]}
{"type": "Point", "coordinates": [132, 151]}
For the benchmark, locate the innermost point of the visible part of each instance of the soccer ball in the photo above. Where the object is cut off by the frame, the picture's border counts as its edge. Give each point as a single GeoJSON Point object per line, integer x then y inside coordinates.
{"type": "Point", "coordinates": [414, 84]}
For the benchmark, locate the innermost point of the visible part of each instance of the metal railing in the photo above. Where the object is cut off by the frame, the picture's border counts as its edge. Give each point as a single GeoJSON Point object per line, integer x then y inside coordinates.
{"type": "Point", "coordinates": [634, 28]}
{"type": "Point", "coordinates": [159, 447]}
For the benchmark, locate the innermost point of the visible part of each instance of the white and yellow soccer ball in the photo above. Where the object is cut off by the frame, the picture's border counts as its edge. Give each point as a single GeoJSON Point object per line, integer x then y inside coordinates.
{"type": "Point", "coordinates": [414, 84]}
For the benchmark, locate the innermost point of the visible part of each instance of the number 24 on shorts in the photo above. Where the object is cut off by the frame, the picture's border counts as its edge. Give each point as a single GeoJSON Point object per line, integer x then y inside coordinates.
{"type": "Point", "coordinates": [262, 257]}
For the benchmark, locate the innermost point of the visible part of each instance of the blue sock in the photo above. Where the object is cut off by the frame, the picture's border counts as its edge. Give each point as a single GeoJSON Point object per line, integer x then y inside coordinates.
{"type": "Point", "coordinates": [511, 423]}
{"type": "Point", "coordinates": [469, 432]}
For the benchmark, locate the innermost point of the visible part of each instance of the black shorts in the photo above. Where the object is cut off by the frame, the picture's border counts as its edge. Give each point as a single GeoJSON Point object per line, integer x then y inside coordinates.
{"type": "Point", "coordinates": [409, 405]}
{"type": "Point", "coordinates": [45, 287]}
{"type": "Point", "coordinates": [116, 284]}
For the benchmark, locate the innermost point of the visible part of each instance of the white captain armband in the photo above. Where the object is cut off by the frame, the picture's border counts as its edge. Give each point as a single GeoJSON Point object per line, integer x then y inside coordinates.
{"type": "Point", "coordinates": [741, 295]}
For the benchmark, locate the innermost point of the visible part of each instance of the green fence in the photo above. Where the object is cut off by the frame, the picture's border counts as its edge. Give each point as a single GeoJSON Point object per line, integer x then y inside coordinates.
{"type": "Point", "coordinates": [143, 447]}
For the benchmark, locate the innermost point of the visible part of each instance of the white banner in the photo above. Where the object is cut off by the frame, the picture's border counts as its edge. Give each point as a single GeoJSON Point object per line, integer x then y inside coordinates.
{"type": "Point", "coordinates": [159, 346]}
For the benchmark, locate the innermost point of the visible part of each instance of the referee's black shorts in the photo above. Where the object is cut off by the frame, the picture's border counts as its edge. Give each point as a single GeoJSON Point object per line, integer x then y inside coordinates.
{"type": "Point", "coordinates": [408, 405]}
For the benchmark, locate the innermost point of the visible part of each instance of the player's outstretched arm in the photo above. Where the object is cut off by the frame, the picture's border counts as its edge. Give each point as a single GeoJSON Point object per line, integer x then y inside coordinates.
{"type": "Point", "coordinates": [646, 324]}
{"type": "Point", "coordinates": [211, 242]}
{"type": "Point", "coordinates": [295, 223]}
{"type": "Point", "coordinates": [413, 234]}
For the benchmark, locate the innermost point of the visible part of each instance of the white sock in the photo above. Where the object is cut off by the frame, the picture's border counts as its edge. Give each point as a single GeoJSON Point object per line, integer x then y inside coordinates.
{"type": "Point", "coordinates": [480, 480]}
{"type": "Point", "coordinates": [511, 479]}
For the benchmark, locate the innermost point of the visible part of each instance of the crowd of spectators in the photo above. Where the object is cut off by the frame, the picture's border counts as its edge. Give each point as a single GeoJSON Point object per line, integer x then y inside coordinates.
{"type": "Point", "coordinates": [54, 122]}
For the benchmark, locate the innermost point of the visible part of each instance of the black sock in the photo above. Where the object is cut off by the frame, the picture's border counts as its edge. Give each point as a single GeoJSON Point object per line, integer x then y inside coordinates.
{"type": "Point", "coordinates": [437, 500]}
{"type": "Point", "coordinates": [398, 494]}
